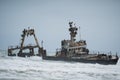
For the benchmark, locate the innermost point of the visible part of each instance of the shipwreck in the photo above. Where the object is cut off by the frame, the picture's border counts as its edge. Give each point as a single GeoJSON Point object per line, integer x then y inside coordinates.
{"type": "Point", "coordinates": [30, 48]}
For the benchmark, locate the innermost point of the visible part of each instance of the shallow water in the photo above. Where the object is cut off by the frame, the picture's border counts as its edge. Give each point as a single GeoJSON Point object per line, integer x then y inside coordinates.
{"type": "Point", "coordinates": [34, 68]}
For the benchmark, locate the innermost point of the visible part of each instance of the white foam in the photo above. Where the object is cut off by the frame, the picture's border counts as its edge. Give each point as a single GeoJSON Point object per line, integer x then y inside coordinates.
{"type": "Point", "coordinates": [34, 68]}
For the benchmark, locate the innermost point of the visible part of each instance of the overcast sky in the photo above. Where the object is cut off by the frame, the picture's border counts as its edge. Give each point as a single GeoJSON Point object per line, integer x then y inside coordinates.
{"type": "Point", "coordinates": [99, 21]}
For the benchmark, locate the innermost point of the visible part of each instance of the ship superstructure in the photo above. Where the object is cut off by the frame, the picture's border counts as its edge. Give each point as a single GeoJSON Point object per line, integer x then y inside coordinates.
{"type": "Point", "coordinates": [72, 47]}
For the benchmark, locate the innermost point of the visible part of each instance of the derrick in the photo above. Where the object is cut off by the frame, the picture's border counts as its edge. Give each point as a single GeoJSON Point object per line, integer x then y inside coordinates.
{"type": "Point", "coordinates": [26, 33]}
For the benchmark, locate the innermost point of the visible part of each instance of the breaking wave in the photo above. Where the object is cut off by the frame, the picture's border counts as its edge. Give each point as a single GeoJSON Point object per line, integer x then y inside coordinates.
{"type": "Point", "coordinates": [34, 68]}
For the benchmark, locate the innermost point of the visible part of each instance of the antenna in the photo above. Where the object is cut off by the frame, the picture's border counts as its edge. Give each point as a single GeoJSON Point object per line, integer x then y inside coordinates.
{"type": "Point", "coordinates": [42, 43]}
{"type": "Point", "coordinates": [79, 33]}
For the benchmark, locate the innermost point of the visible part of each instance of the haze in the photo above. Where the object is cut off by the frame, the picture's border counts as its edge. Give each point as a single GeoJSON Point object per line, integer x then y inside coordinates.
{"type": "Point", "coordinates": [99, 21]}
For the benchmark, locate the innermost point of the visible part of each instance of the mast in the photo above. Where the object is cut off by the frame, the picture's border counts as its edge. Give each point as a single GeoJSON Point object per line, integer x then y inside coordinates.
{"type": "Point", "coordinates": [79, 33]}
{"type": "Point", "coordinates": [73, 31]}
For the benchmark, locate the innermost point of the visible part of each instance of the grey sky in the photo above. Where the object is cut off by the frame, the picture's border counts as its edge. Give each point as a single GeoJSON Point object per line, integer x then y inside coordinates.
{"type": "Point", "coordinates": [99, 21]}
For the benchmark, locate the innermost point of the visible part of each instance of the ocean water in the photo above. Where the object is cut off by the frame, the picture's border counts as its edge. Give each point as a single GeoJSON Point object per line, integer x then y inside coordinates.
{"type": "Point", "coordinates": [34, 68]}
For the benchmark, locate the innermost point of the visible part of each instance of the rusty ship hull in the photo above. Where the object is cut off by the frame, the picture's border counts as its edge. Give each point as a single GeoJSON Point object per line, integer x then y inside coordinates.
{"type": "Point", "coordinates": [78, 59]}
